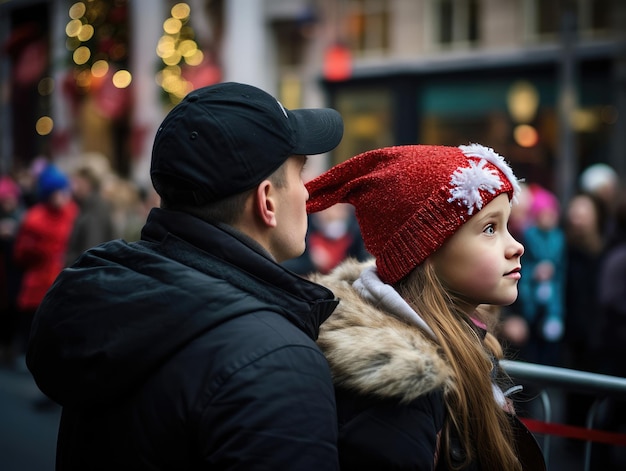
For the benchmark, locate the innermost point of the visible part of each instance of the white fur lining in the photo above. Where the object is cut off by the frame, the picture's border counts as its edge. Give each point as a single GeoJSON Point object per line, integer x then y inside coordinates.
{"type": "Point", "coordinates": [371, 288]}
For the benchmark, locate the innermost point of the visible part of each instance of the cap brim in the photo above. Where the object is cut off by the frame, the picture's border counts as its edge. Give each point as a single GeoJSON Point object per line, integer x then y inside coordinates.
{"type": "Point", "coordinates": [317, 130]}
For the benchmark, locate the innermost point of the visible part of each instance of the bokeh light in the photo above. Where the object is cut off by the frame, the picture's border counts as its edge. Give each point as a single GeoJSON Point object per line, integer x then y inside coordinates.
{"type": "Point", "coordinates": [100, 68]}
{"type": "Point", "coordinates": [525, 135]}
{"type": "Point", "coordinates": [172, 26]}
{"type": "Point", "coordinates": [166, 46]}
{"type": "Point", "coordinates": [122, 78]}
{"type": "Point", "coordinates": [523, 101]}
{"type": "Point", "coordinates": [73, 27]}
{"type": "Point", "coordinates": [44, 125]}
{"type": "Point", "coordinates": [195, 59]}
{"type": "Point", "coordinates": [175, 46]}
{"type": "Point", "coordinates": [187, 47]}
{"type": "Point", "coordinates": [81, 55]}
{"type": "Point", "coordinates": [86, 33]}
{"type": "Point", "coordinates": [180, 11]}
{"type": "Point", "coordinates": [77, 10]}
{"type": "Point", "coordinates": [172, 59]}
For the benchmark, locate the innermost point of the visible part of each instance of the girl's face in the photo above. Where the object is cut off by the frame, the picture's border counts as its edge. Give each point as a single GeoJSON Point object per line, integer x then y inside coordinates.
{"type": "Point", "coordinates": [480, 263]}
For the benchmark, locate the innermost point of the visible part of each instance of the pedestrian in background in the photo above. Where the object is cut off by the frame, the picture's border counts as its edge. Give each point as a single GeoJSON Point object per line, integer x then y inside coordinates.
{"type": "Point", "coordinates": [584, 222]}
{"type": "Point", "coordinates": [193, 348]}
{"type": "Point", "coordinates": [94, 223]}
{"type": "Point", "coordinates": [332, 237]}
{"type": "Point", "coordinates": [601, 181]}
{"type": "Point", "coordinates": [542, 286]}
{"type": "Point", "coordinates": [41, 244]}
{"type": "Point", "coordinates": [415, 364]}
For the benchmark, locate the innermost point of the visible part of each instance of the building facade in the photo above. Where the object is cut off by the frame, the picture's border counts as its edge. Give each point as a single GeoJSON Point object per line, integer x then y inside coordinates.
{"type": "Point", "coordinates": [543, 82]}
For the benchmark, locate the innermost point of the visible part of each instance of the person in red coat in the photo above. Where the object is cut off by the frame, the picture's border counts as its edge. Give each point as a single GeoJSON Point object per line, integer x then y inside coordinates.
{"type": "Point", "coordinates": [41, 243]}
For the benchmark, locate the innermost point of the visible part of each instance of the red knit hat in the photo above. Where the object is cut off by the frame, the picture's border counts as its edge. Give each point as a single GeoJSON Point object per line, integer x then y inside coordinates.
{"type": "Point", "coordinates": [410, 199]}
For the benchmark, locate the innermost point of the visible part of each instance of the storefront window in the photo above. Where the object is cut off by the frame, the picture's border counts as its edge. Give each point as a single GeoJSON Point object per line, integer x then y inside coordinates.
{"type": "Point", "coordinates": [456, 113]}
{"type": "Point", "coordinates": [367, 115]}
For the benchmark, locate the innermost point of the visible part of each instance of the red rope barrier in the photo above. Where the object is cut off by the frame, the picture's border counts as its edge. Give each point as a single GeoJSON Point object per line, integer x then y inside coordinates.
{"type": "Point", "coordinates": [572, 431]}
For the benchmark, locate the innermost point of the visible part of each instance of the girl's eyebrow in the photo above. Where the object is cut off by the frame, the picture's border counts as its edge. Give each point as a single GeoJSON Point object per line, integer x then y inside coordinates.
{"type": "Point", "coordinates": [495, 214]}
{"type": "Point", "coordinates": [489, 215]}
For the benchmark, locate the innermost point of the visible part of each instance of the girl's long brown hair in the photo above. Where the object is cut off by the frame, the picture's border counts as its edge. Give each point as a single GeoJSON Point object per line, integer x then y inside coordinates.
{"type": "Point", "coordinates": [481, 424]}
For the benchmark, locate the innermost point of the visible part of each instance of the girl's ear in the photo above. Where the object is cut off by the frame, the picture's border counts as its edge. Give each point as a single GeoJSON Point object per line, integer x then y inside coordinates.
{"type": "Point", "coordinates": [264, 204]}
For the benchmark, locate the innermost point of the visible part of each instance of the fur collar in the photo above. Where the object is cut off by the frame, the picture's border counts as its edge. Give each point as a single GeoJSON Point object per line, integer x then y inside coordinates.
{"type": "Point", "coordinates": [372, 351]}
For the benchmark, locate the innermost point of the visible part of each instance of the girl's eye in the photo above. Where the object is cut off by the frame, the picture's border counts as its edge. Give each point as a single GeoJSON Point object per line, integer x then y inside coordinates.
{"type": "Point", "coordinates": [490, 229]}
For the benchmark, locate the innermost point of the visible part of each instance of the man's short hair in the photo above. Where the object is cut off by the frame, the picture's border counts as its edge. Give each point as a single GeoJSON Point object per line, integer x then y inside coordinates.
{"type": "Point", "coordinates": [226, 210]}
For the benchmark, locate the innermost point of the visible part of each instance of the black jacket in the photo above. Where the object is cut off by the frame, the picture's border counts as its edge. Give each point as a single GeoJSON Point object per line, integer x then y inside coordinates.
{"type": "Point", "coordinates": [190, 349]}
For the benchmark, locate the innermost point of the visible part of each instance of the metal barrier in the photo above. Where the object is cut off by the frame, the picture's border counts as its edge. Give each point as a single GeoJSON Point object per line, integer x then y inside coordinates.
{"type": "Point", "coordinates": [600, 386]}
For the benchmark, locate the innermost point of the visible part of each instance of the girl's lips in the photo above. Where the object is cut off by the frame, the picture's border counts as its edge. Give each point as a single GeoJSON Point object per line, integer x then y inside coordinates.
{"type": "Point", "coordinates": [515, 274]}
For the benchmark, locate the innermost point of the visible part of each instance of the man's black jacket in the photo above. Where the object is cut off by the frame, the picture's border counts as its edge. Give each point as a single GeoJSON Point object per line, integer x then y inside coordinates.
{"type": "Point", "coordinates": [189, 349]}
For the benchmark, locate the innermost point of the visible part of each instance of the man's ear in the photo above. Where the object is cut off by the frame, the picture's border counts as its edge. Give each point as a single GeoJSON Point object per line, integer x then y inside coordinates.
{"type": "Point", "coordinates": [265, 205]}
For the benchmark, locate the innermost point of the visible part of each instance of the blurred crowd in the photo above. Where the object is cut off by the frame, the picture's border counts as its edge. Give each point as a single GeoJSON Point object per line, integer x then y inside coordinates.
{"type": "Point", "coordinates": [49, 215]}
{"type": "Point", "coordinates": [571, 309]}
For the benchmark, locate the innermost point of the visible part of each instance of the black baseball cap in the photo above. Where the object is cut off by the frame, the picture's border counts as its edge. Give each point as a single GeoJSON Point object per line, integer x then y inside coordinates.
{"type": "Point", "coordinates": [227, 138]}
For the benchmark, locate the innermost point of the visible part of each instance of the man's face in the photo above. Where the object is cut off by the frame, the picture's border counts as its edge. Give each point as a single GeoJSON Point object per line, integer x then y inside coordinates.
{"type": "Point", "coordinates": [288, 240]}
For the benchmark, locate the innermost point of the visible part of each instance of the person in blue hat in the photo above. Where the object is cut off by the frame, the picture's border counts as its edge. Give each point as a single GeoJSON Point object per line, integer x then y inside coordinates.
{"type": "Point", "coordinates": [193, 348]}
{"type": "Point", "coordinates": [41, 244]}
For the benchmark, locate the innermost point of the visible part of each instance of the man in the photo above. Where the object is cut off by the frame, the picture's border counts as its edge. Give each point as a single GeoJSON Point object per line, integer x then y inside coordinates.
{"type": "Point", "coordinates": [193, 348]}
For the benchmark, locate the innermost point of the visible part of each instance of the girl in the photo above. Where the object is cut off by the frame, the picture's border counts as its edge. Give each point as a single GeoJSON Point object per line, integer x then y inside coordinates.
{"type": "Point", "coordinates": [416, 373]}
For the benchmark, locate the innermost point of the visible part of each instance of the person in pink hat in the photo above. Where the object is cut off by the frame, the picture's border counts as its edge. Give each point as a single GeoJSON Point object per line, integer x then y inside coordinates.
{"type": "Point", "coordinates": [416, 371]}
{"type": "Point", "coordinates": [542, 288]}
